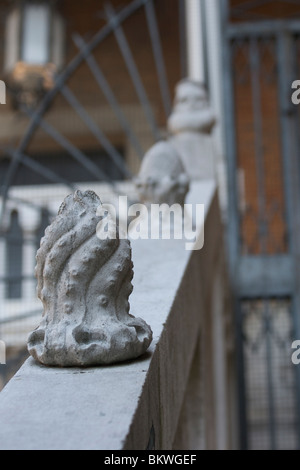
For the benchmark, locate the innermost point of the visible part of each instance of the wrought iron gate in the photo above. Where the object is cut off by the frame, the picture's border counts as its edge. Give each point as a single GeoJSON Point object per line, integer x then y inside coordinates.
{"type": "Point", "coordinates": [261, 60]}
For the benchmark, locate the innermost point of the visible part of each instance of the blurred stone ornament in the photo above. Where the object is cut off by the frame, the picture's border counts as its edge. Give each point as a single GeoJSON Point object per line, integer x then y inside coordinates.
{"type": "Point", "coordinates": [190, 125]}
{"type": "Point", "coordinates": [162, 178]}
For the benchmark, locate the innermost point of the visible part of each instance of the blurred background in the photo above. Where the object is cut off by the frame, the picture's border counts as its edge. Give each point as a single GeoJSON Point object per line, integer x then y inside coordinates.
{"type": "Point", "coordinates": [89, 88]}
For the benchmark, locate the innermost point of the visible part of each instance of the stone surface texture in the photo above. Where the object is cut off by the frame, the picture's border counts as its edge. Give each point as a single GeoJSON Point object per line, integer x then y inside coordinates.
{"type": "Point", "coordinates": [84, 284]}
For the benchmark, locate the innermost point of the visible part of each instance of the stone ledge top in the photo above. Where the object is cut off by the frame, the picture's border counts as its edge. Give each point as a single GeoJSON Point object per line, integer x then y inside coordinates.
{"type": "Point", "coordinates": [93, 408]}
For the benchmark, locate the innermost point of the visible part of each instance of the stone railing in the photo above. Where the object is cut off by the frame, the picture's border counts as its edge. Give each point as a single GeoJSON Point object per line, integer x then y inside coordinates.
{"type": "Point", "coordinates": [179, 395]}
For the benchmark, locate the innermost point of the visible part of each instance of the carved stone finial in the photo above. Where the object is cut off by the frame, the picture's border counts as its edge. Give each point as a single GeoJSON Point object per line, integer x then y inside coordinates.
{"type": "Point", "coordinates": [84, 284]}
{"type": "Point", "coordinates": [162, 178]}
{"type": "Point", "coordinates": [191, 111]}
{"type": "Point", "coordinates": [190, 126]}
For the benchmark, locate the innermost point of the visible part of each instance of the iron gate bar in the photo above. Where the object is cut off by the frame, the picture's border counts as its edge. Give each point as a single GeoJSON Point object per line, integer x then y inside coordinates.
{"type": "Point", "coordinates": [258, 141]}
{"type": "Point", "coordinates": [231, 154]}
{"type": "Point", "coordinates": [241, 384]}
{"type": "Point", "coordinates": [78, 155]}
{"type": "Point", "coordinates": [96, 131]}
{"type": "Point", "coordinates": [288, 149]}
{"type": "Point", "coordinates": [39, 168]}
{"type": "Point", "coordinates": [158, 56]}
{"type": "Point", "coordinates": [13, 255]}
{"type": "Point", "coordinates": [110, 96]}
{"type": "Point", "coordinates": [59, 82]}
{"type": "Point", "coordinates": [239, 49]}
{"type": "Point", "coordinates": [262, 28]}
{"type": "Point", "coordinates": [132, 69]}
{"type": "Point", "coordinates": [296, 73]}
{"type": "Point", "coordinates": [232, 233]}
{"type": "Point", "coordinates": [74, 151]}
{"type": "Point", "coordinates": [272, 420]}
{"type": "Point", "coordinates": [257, 276]}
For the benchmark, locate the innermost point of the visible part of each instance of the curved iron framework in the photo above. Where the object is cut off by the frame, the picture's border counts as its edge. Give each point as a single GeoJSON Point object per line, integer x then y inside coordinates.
{"type": "Point", "coordinates": [19, 155]}
{"type": "Point", "coordinates": [114, 25]}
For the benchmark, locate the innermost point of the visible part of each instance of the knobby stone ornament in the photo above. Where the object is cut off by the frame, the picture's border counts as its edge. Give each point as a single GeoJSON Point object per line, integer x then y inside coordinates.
{"type": "Point", "coordinates": [162, 183]}
{"type": "Point", "coordinates": [84, 283]}
{"type": "Point", "coordinates": [162, 177]}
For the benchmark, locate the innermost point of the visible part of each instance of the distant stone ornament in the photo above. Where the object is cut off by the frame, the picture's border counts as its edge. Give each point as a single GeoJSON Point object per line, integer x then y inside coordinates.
{"type": "Point", "coordinates": [190, 126]}
{"type": "Point", "coordinates": [84, 284]}
{"type": "Point", "coordinates": [162, 177]}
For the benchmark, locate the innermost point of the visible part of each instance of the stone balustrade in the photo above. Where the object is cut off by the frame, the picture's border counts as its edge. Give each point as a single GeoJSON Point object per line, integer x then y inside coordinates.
{"type": "Point", "coordinates": [176, 396]}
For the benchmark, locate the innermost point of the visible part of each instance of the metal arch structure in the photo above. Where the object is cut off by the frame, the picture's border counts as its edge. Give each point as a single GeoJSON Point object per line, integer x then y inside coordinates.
{"type": "Point", "coordinates": [114, 25]}
{"type": "Point", "coordinates": [19, 156]}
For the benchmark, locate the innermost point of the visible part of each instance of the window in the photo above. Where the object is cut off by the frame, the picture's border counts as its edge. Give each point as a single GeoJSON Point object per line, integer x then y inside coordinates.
{"type": "Point", "coordinates": [36, 34]}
